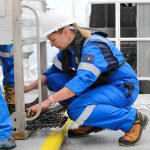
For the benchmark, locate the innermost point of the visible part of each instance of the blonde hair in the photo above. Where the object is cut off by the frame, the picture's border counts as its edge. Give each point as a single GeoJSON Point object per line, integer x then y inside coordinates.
{"type": "Point", "coordinates": [75, 28]}
{"type": "Point", "coordinates": [84, 32]}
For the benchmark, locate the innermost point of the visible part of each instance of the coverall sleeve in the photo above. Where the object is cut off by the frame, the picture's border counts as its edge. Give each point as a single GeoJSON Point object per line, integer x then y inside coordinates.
{"type": "Point", "coordinates": [91, 66]}
{"type": "Point", "coordinates": [56, 67]}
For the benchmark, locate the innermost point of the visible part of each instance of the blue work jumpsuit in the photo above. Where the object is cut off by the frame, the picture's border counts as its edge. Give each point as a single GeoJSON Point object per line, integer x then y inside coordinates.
{"type": "Point", "coordinates": [8, 73]}
{"type": "Point", "coordinates": [108, 105]}
{"type": "Point", "coordinates": [7, 63]}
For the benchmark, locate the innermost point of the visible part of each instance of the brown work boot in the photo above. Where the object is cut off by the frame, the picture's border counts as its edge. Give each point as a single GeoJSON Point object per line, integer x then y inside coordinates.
{"type": "Point", "coordinates": [135, 132]}
{"type": "Point", "coordinates": [83, 130]}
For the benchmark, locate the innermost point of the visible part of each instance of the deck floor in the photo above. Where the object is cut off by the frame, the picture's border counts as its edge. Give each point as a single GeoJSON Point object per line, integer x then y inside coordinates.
{"type": "Point", "coordinates": [106, 139]}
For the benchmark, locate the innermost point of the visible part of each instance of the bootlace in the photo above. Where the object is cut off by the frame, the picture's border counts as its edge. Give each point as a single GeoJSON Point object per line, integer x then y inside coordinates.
{"type": "Point", "coordinates": [11, 140]}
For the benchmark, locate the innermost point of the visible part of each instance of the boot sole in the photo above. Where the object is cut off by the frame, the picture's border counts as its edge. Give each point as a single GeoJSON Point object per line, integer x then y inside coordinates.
{"type": "Point", "coordinates": [134, 143]}
{"type": "Point", "coordinates": [7, 148]}
{"type": "Point", "coordinates": [146, 123]}
{"type": "Point", "coordinates": [95, 130]}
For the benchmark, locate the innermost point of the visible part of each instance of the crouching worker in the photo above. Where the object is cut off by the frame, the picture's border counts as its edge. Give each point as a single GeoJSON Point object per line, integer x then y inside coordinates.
{"type": "Point", "coordinates": [91, 75]}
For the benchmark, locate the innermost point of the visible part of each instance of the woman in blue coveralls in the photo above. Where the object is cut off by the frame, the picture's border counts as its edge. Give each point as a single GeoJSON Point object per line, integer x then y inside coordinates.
{"type": "Point", "coordinates": [6, 140]}
{"type": "Point", "coordinates": [91, 75]}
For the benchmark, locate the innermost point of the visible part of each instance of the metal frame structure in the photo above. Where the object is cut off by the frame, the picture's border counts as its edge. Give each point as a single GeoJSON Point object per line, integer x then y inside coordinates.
{"type": "Point", "coordinates": [19, 116]}
{"type": "Point", "coordinates": [117, 3]}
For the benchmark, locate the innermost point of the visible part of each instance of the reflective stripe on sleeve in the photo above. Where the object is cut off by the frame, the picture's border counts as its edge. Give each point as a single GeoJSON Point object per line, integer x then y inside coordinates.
{"type": "Point", "coordinates": [89, 67]}
{"type": "Point", "coordinates": [7, 54]}
{"type": "Point", "coordinates": [85, 114]}
{"type": "Point", "coordinates": [57, 63]}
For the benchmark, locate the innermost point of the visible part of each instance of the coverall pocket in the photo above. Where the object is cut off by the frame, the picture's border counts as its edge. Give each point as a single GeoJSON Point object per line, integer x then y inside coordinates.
{"type": "Point", "coordinates": [129, 88]}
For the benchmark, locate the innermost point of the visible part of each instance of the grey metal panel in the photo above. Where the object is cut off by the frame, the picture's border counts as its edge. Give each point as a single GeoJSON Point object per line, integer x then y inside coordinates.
{"type": "Point", "coordinates": [143, 48]}
{"type": "Point", "coordinates": [2, 8]}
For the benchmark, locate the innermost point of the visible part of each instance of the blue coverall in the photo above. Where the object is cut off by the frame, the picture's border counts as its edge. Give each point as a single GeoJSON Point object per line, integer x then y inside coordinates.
{"type": "Point", "coordinates": [7, 62]}
{"type": "Point", "coordinates": [8, 73]}
{"type": "Point", "coordinates": [106, 106]}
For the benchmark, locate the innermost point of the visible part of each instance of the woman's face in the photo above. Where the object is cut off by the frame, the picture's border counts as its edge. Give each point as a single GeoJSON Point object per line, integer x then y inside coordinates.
{"type": "Point", "coordinates": [61, 40]}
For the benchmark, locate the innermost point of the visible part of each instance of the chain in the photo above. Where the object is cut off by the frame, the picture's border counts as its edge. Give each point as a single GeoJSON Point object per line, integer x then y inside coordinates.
{"type": "Point", "coordinates": [52, 118]}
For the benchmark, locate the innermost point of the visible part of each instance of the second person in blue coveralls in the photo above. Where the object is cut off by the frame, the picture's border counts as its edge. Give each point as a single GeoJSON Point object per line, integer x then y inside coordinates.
{"type": "Point", "coordinates": [7, 63]}
{"type": "Point", "coordinates": [6, 129]}
{"type": "Point", "coordinates": [91, 75]}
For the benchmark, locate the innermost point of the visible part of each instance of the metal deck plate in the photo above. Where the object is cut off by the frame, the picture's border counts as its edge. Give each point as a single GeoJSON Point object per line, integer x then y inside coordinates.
{"type": "Point", "coordinates": [107, 139]}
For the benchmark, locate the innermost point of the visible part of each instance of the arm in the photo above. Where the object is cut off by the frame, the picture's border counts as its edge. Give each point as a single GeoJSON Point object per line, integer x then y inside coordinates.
{"type": "Point", "coordinates": [61, 95]}
{"type": "Point", "coordinates": [50, 70]}
{"type": "Point", "coordinates": [34, 85]}
{"type": "Point", "coordinates": [87, 74]}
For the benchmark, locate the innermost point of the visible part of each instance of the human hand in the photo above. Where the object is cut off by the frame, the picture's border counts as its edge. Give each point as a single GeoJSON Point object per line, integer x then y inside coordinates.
{"type": "Point", "coordinates": [34, 109]}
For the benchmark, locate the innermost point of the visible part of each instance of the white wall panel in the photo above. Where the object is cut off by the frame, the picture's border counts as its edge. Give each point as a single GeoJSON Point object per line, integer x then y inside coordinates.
{"type": "Point", "coordinates": [2, 8]}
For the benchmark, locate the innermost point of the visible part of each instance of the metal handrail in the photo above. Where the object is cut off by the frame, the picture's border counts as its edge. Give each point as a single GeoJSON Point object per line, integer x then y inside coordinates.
{"type": "Point", "coordinates": [117, 1]}
{"type": "Point", "coordinates": [132, 39]}
{"type": "Point", "coordinates": [38, 60]}
{"type": "Point", "coordinates": [118, 39]}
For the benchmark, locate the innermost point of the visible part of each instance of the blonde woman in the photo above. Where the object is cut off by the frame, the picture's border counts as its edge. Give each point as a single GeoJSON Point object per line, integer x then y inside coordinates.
{"type": "Point", "coordinates": [91, 75]}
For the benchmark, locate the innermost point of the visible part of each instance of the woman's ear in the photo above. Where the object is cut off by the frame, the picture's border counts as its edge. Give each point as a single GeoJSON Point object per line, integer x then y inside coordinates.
{"type": "Point", "coordinates": [65, 31]}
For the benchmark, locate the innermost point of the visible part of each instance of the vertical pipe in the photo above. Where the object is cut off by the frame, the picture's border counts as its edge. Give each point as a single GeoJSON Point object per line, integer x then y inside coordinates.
{"type": "Point", "coordinates": [44, 6]}
{"type": "Point", "coordinates": [138, 56]}
{"type": "Point", "coordinates": [18, 65]}
{"type": "Point", "coordinates": [74, 8]}
{"type": "Point", "coordinates": [106, 15]}
{"type": "Point", "coordinates": [117, 22]}
{"type": "Point", "coordinates": [43, 63]}
{"type": "Point", "coordinates": [87, 19]}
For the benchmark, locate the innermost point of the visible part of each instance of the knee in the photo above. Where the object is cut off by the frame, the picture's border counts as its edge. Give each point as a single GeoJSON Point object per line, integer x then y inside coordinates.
{"type": "Point", "coordinates": [52, 83]}
{"type": "Point", "coordinates": [56, 81]}
{"type": "Point", "coordinates": [73, 113]}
